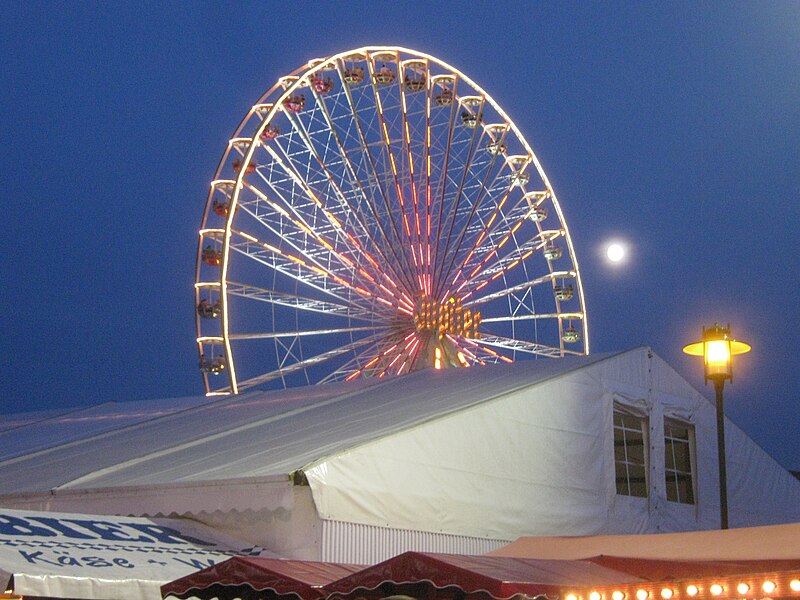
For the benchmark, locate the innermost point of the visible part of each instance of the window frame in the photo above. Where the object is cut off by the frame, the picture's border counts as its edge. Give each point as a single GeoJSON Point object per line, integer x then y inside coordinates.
{"type": "Point", "coordinates": [672, 476]}
{"type": "Point", "coordinates": [622, 468]}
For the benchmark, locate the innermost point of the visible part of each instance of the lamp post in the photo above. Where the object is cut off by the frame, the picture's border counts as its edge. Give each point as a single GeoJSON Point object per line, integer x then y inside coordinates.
{"type": "Point", "coordinates": [717, 349]}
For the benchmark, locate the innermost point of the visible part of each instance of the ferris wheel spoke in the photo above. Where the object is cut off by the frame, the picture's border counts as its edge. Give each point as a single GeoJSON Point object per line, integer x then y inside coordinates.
{"type": "Point", "coordinates": [518, 345]}
{"type": "Point", "coordinates": [324, 251]}
{"type": "Point", "coordinates": [475, 250]}
{"type": "Point", "coordinates": [392, 237]}
{"type": "Point", "coordinates": [333, 222]}
{"type": "Point", "coordinates": [495, 231]}
{"type": "Point", "coordinates": [407, 241]}
{"type": "Point", "coordinates": [301, 333]}
{"type": "Point", "coordinates": [322, 259]}
{"type": "Point", "coordinates": [312, 275]}
{"type": "Point", "coordinates": [442, 183]}
{"type": "Point", "coordinates": [366, 359]}
{"type": "Point", "coordinates": [297, 302]}
{"type": "Point", "coordinates": [534, 316]}
{"type": "Point", "coordinates": [476, 209]}
{"type": "Point", "coordinates": [426, 157]}
{"type": "Point", "coordinates": [390, 352]}
{"type": "Point", "coordinates": [405, 92]}
{"type": "Point", "coordinates": [454, 206]}
{"type": "Point", "coordinates": [470, 222]}
{"type": "Point", "coordinates": [316, 216]}
{"type": "Point", "coordinates": [358, 190]}
{"type": "Point", "coordinates": [494, 266]}
{"type": "Point", "coordinates": [384, 177]}
{"type": "Point", "coordinates": [548, 278]}
{"type": "Point", "coordinates": [303, 364]}
{"type": "Point", "coordinates": [289, 226]}
{"type": "Point", "coordinates": [480, 352]}
{"type": "Point", "coordinates": [344, 205]}
{"type": "Point", "coordinates": [400, 358]}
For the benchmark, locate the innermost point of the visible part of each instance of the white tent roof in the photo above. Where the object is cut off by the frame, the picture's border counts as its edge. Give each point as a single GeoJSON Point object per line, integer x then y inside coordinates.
{"type": "Point", "coordinates": [23, 433]}
{"type": "Point", "coordinates": [259, 434]}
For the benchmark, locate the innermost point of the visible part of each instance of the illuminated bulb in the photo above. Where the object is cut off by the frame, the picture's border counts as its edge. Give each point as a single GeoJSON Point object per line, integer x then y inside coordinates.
{"type": "Point", "coordinates": [595, 596]}
{"type": "Point", "coordinates": [719, 354]}
{"type": "Point", "coordinates": [571, 597]}
{"type": "Point", "coordinates": [716, 589]}
{"type": "Point", "coordinates": [742, 588]}
{"type": "Point", "coordinates": [795, 585]}
{"type": "Point", "coordinates": [692, 590]}
{"type": "Point", "coordinates": [617, 595]}
{"type": "Point", "coordinates": [768, 587]}
{"type": "Point", "coordinates": [666, 593]}
{"type": "Point", "coordinates": [642, 594]}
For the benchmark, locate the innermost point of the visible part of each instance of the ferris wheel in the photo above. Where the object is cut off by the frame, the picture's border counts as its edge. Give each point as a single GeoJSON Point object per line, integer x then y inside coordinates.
{"type": "Point", "coordinates": [376, 213]}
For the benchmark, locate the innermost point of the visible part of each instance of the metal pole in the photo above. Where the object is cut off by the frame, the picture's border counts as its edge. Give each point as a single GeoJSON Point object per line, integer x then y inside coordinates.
{"type": "Point", "coordinates": [719, 383]}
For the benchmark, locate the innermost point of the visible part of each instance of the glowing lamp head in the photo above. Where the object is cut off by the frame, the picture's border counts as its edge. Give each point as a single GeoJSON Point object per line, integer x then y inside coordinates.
{"type": "Point", "coordinates": [692, 590]}
{"type": "Point", "coordinates": [716, 589]}
{"type": "Point", "coordinates": [717, 349]}
{"type": "Point", "coordinates": [667, 593]}
{"type": "Point", "coordinates": [794, 584]}
{"type": "Point", "coordinates": [595, 596]}
{"type": "Point", "coordinates": [642, 594]}
{"type": "Point", "coordinates": [768, 587]}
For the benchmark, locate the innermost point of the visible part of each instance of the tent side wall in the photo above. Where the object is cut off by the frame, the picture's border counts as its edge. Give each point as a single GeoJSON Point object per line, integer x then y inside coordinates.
{"type": "Point", "coordinates": [534, 461]}
{"type": "Point", "coordinates": [540, 461]}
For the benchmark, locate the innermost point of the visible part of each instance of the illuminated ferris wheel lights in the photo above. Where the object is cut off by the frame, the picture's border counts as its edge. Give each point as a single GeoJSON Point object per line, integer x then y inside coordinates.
{"type": "Point", "coordinates": [338, 221]}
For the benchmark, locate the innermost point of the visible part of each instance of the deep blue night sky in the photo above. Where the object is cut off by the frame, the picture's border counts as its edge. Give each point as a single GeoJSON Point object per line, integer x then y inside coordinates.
{"type": "Point", "coordinates": [672, 126]}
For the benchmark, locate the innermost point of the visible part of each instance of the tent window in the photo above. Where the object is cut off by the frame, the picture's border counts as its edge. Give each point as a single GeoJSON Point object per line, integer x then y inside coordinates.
{"type": "Point", "coordinates": [678, 445]}
{"type": "Point", "coordinates": [630, 454]}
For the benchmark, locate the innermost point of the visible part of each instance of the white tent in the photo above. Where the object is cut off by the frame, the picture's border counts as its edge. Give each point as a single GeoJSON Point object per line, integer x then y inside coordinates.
{"type": "Point", "coordinates": [61, 555]}
{"type": "Point", "coordinates": [460, 460]}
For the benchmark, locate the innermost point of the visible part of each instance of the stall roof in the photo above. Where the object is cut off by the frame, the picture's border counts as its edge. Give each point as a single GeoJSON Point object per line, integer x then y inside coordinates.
{"type": "Point", "coordinates": [661, 570]}
{"type": "Point", "coordinates": [236, 576]}
{"type": "Point", "coordinates": [68, 555]}
{"type": "Point", "coordinates": [499, 577]}
{"type": "Point", "coordinates": [770, 542]}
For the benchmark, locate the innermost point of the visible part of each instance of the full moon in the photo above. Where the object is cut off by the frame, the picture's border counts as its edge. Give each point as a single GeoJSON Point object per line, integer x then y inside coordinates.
{"type": "Point", "coordinates": [615, 252]}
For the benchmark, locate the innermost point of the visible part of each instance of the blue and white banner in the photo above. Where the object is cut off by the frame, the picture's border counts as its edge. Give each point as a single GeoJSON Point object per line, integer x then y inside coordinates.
{"type": "Point", "coordinates": [63, 555]}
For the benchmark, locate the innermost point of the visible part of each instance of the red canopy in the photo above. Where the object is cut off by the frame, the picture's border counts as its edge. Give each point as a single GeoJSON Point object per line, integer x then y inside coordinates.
{"type": "Point", "coordinates": [458, 577]}
{"type": "Point", "coordinates": [243, 577]}
{"type": "Point", "coordinates": [498, 577]}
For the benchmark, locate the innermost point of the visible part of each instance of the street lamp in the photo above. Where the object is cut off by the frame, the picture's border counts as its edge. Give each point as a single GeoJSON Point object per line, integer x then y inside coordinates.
{"type": "Point", "coordinates": [718, 349]}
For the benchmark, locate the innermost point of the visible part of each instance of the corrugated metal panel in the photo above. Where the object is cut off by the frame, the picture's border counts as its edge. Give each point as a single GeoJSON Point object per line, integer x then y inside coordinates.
{"type": "Point", "coordinates": [367, 545]}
